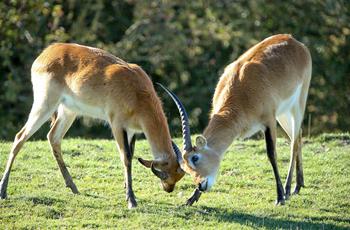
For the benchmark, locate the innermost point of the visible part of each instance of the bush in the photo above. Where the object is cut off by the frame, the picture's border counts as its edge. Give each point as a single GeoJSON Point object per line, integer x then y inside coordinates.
{"type": "Point", "coordinates": [182, 45]}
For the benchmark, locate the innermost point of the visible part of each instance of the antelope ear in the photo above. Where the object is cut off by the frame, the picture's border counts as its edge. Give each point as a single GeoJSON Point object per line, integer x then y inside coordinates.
{"type": "Point", "coordinates": [145, 163]}
{"type": "Point", "coordinates": [201, 142]}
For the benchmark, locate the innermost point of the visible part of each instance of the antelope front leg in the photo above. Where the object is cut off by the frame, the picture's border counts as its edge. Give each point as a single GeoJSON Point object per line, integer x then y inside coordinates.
{"type": "Point", "coordinates": [126, 153]}
{"type": "Point", "coordinates": [130, 196]}
{"type": "Point", "coordinates": [270, 137]}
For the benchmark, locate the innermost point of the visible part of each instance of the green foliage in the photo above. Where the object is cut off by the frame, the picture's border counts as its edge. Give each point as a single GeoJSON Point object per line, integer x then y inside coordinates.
{"type": "Point", "coordinates": [243, 197]}
{"type": "Point", "coordinates": [27, 27]}
{"type": "Point", "coordinates": [184, 45]}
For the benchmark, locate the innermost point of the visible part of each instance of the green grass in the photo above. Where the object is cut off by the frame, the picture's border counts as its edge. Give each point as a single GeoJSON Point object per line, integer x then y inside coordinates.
{"type": "Point", "coordinates": [243, 196]}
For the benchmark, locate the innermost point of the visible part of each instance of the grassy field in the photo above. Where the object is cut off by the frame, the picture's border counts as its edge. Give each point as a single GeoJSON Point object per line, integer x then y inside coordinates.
{"type": "Point", "coordinates": [243, 197]}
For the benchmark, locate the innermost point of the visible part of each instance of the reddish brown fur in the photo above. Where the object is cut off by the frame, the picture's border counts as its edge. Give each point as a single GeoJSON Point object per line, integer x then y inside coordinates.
{"type": "Point", "coordinates": [122, 89]}
{"type": "Point", "coordinates": [249, 94]}
{"type": "Point", "coordinates": [249, 91]}
{"type": "Point", "coordinates": [82, 80]}
{"type": "Point", "coordinates": [103, 80]}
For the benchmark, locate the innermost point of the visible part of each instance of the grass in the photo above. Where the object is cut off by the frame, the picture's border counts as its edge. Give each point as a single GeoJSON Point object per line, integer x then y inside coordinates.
{"type": "Point", "coordinates": [243, 197]}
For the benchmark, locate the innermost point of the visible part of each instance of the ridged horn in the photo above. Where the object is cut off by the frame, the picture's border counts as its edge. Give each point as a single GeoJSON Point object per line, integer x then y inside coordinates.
{"type": "Point", "coordinates": [178, 155]}
{"type": "Point", "coordinates": [177, 152]}
{"type": "Point", "coordinates": [186, 134]}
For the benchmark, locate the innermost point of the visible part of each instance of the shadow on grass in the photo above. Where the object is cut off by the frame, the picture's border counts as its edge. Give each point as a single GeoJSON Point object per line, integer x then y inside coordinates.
{"type": "Point", "coordinates": [48, 201]}
{"type": "Point", "coordinates": [272, 223]}
{"type": "Point", "coordinates": [92, 195]}
{"type": "Point", "coordinates": [242, 218]}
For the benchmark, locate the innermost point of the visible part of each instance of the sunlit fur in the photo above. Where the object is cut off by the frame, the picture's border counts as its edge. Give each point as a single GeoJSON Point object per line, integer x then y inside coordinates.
{"type": "Point", "coordinates": [269, 82]}
{"type": "Point", "coordinates": [121, 91]}
{"type": "Point", "coordinates": [79, 80]}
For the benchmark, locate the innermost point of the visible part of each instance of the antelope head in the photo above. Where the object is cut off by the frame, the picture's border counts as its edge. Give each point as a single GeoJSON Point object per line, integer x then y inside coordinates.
{"type": "Point", "coordinates": [169, 172]}
{"type": "Point", "coordinates": [200, 161]}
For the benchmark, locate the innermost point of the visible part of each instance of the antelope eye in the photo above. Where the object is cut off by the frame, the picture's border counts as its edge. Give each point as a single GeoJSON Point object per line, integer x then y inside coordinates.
{"type": "Point", "coordinates": [194, 159]}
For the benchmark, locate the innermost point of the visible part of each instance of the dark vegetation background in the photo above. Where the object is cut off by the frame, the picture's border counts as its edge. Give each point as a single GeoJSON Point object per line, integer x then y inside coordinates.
{"type": "Point", "coordinates": [182, 44]}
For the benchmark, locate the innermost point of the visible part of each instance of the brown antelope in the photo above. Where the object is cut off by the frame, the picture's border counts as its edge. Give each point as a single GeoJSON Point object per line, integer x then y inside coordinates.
{"type": "Point", "coordinates": [77, 80]}
{"type": "Point", "coordinates": [269, 82]}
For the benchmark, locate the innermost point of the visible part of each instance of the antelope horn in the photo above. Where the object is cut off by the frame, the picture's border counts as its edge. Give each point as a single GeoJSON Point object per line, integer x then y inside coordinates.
{"type": "Point", "coordinates": [186, 134]}
{"type": "Point", "coordinates": [160, 174]}
{"type": "Point", "coordinates": [177, 152]}
{"type": "Point", "coordinates": [178, 155]}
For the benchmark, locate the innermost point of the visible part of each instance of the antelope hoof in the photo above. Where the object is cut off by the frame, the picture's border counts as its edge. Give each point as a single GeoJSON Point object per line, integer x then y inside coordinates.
{"type": "Point", "coordinates": [194, 198]}
{"type": "Point", "coordinates": [130, 198]}
{"type": "Point", "coordinates": [287, 193]}
{"type": "Point", "coordinates": [131, 202]}
{"type": "Point", "coordinates": [297, 189]}
{"type": "Point", "coordinates": [3, 193]}
{"type": "Point", "coordinates": [73, 188]}
{"type": "Point", "coordinates": [287, 196]}
{"type": "Point", "coordinates": [280, 202]}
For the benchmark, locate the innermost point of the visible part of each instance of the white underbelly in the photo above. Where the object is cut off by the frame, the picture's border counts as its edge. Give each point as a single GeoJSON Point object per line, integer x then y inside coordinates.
{"type": "Point", "coordinates": [83, 109]}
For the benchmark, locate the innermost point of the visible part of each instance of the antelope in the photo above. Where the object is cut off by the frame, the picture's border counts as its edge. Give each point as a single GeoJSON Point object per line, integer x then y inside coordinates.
{"type": "Point", "coordinates": [74, 80]}
{"type": "Point", "coordinates": [269, 82]}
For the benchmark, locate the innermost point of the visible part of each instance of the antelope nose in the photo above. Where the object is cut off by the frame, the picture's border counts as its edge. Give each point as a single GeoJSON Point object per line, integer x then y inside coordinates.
{"type": "Point", "coordinates": [203, 186]}
{"type": "Point", "coordinates": [167, 187]}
